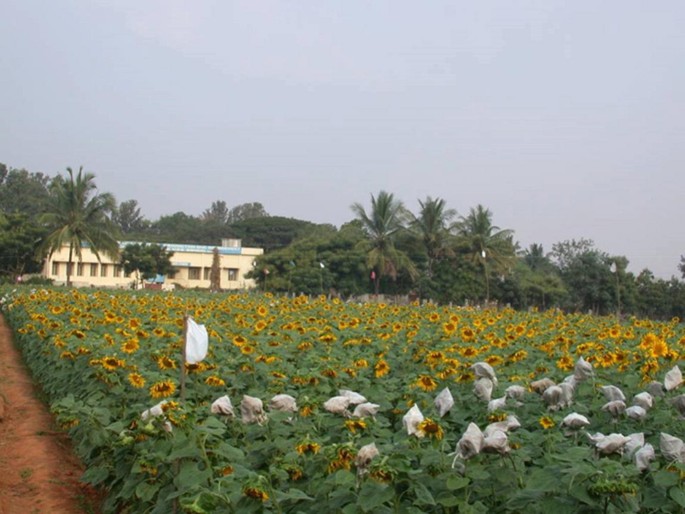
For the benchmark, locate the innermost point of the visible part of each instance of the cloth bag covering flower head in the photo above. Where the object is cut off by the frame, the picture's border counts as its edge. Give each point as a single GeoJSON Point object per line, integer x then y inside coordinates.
{"type": "Point", "coordinates": [197, 342]}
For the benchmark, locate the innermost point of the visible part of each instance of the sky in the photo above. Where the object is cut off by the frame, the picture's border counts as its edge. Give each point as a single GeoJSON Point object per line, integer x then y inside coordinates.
{"type": "Point", "coordinates": [565, 118]}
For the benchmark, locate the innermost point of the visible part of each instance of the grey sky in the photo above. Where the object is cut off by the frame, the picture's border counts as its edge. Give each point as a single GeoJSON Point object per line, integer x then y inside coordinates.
{"type": "Point", "coordinates": [565, 118]}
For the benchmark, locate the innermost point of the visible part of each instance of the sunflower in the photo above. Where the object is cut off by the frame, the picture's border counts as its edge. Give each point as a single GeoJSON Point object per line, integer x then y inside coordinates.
{"type": "Point", "coordinates": [426, 382]}
{"type": "Point", "coordinates": [546, 422]}
{"type": "Point", "coordinates": [112, 363]}
{"type": "Point", "coordinates": [130, 346]}
{"type": "Point", "coordinates": [565, 363]}
{"type": "Point", "coordinates": [381, 368]}
{"type": "Point", "coordinates": [353, 425]}
{"type": "Point", "coordinates": [165, 362]}
{"type": "Point", "coordinates": [308, 447]}
{"type": "Point", "coordinates": [136, 380]}
{"type": "Point", "coordinates": [162, 389]}
{"type": "Point", "coordinates": [430, 428]}
{"type": "Point", "coordinates": [256, 492]}
{"type": "Point", "coordinates": [214, 381]}
{"type": "Point", "coordinates": [659, 349]}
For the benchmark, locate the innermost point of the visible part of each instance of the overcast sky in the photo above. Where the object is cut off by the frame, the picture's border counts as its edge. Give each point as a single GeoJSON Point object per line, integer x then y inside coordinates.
{"type": "Point", "coordinates": [565, 118]}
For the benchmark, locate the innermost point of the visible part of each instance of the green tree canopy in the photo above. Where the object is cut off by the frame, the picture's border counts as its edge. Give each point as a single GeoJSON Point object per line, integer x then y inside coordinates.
{"type": "Point", "coordinates": [146, 260]}
{"type": "Point", "coordinates": [382, 225]}
{"type": "Point", "coordinates": [78, 215]}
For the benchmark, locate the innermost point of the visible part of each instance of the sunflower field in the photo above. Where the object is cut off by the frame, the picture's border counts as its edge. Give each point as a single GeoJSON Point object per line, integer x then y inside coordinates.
{"type": "Point", "coordinates": [311, 404]}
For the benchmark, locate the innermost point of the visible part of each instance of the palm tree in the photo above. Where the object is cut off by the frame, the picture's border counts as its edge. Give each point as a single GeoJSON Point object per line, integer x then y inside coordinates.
{"type": "Point", "coordinates": [487, 244]}
{"type": "Point", "coordinates": [78, 215]}
{"type": "Point", "coordinates": [382, 225]}
{"type": "Point", "coordinates": [432, 227]}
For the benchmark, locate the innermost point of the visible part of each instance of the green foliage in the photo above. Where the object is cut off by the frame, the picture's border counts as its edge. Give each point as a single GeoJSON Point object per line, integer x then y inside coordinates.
{"type": "Point", "coordinates": [19, 241]}
{"type": "Point", "coordinates": [146, 260]}
{"type": "Point", "coordinates": [305, 461]}
{"type": "Point", "coordinates": [78, 215]}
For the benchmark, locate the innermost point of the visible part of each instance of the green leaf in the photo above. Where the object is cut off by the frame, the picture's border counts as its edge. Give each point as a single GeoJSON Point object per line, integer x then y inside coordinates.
{"type": "Point", "coordinates": [373, 495]}
{"type": "Point", "coordinates": [423, 495]}
{"type": "Point", "coordinates": [457, 482]}
{"type": "Point", "coordinates": [146, 491]}
{"type": "Point", "coordinates": [677, 494]}
{"type": "Point", "coordinates": [665, 478]}
{"type": "Point", "coordinates": [294, 494]}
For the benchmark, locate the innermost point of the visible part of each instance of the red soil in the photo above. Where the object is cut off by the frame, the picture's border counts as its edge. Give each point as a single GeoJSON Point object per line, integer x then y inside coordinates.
{"type": "Point", "coordinates": [39, 473]}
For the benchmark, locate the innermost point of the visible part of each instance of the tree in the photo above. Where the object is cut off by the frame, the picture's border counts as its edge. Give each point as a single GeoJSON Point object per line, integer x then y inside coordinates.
{"type": "Point", "coordinates": [246, 211]}
{"type": "Point", "coordinates": [431, 226]}
{"type": "Point", "coordinates": [382, 226]}
{"type": "Point", "coordinates": [486, 244]}
{"type": "Point", "coordinates": [681, 266]}
{"type": "Point", "coordinates": [19, 240]}
{"type": "Point", "coordinates": [146, 260]}
{"type": "Point", "coordinates": [217, 213]}
{"type": "Point", "coordinates": [78, 215]}
{"type": "Point", "coordinates": [215, 272]}
{"type": "Point", "coordinates": [128, 218]}
{"type": "Point", "coordinates": [23, 192]}
{"type": "Point", "coordinates": [586, 273]}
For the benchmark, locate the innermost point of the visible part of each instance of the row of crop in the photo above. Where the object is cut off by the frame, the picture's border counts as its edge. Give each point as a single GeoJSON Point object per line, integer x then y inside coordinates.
{"type": "Point", "coordinates": [310, 349]}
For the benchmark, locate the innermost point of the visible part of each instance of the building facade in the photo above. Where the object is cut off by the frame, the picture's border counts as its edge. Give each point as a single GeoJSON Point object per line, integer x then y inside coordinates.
{"type": "Point", "coordinates": [191, 267]}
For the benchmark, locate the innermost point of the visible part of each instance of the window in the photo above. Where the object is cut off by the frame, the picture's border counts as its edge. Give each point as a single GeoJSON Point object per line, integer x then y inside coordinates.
{"type": "Point", "coordinates": [55, 268]}
{"type": "Point", "coordinates": [93, 270]}
{"type": "Point", "coordinates": [232, 274]}
{"type": "Point", "coordinates": [79, 269]}
{"type": "Point", "coordinates": [70, 268]}
{"type": "Point", "coordinates": [206, 272]}
{"type": "Point", "coordinates": [117, 270]}
{"type": "Point", "coordinates": [103, 270]}
{"type": "Point", "coordinates": [194, 273]}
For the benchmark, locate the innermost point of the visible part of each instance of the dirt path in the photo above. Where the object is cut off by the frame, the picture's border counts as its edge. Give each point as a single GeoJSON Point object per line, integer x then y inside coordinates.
{"type": "Point", "coordinates": [38, 471]}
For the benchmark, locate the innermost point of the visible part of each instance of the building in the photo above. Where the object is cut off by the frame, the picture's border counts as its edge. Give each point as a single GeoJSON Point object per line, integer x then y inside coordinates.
{"type": "Point", "coordinates": [192, 265]}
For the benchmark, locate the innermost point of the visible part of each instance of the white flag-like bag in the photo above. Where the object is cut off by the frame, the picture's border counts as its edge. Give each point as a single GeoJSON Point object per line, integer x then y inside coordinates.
{"type": "Point", "coordinates": [196, 342]}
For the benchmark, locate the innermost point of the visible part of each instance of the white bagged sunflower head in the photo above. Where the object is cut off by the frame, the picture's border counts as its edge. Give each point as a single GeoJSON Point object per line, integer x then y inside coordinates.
{"type": "Point", "coordinates": [644, 400]}
{"type": "Point", "coordinates": [482, 388]}
{"type": "Point", "coordinates": [355, 398]}
{"type": "Point", "coordinates": [153, 412]}
{"type": "Point", "coordinates": [673, 378]}
{"type": "Point", "coordinates": [596, 437]}
{"type": "Point", "coordinates": [283, 403]}
{"type": "Point", "coordinates": [223, 407]}
{"type": "Point", "coordinates": [644, 456]}
{"type": "Point", "coordinates": [252, 410]}
{"type": "Point", "coordinates": [366, 410]}
{"type": "Point", "coordinates": [411, 421]}
{"type": "Point", "coordinates": [470, 443]}
{"type": "Point", "coordinates": [615, 407]}
{"type": "Point", "coordinates": [571, 380]}
{"type": "Point", "coordinates": [553, 397]}
{"type": "Point", "coordinates": [582, 370]}
{"type": "Point", "coordinates": [539, 386]}
{"type": "Point", "coordinates": [636, 441]}
{"type": "Point", "coordinates": [484, 370]}
{"type": "Point", "coordinates": [575, 421]}
{"type": "Point", "coordinates": [508, 425]}
{"type": "Point", "coordinates": [496, 442]}
{"type": "Point", "coordinates": [679, 404]}
{"type": "Point", "coordinates": [613, 443]}
{"type": "Point", "coordinates": [338, 405]}
{"type": "Point", "coordinates": [636, 412]}
{"type": "Point", "coordinates": [567, 394]}
{"type": "Point", "coordinates": [497, 404]}
{"type": "Point", "coordinates": [444, 401]}
{"type": "Point", "coordinates": [612, 393]}
{"type": "Point", "coordinates": [364, 457]}
{"type": "Point", "coordinates": [672, 448]}
{"type": "Point", "coordinates": [515, 392]}
{"type": "Point", "coordinates": [655, 388]}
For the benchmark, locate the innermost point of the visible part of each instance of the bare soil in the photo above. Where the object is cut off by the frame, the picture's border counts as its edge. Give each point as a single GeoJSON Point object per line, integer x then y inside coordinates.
{"type": "Point", "coordinates": [39, 472]}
